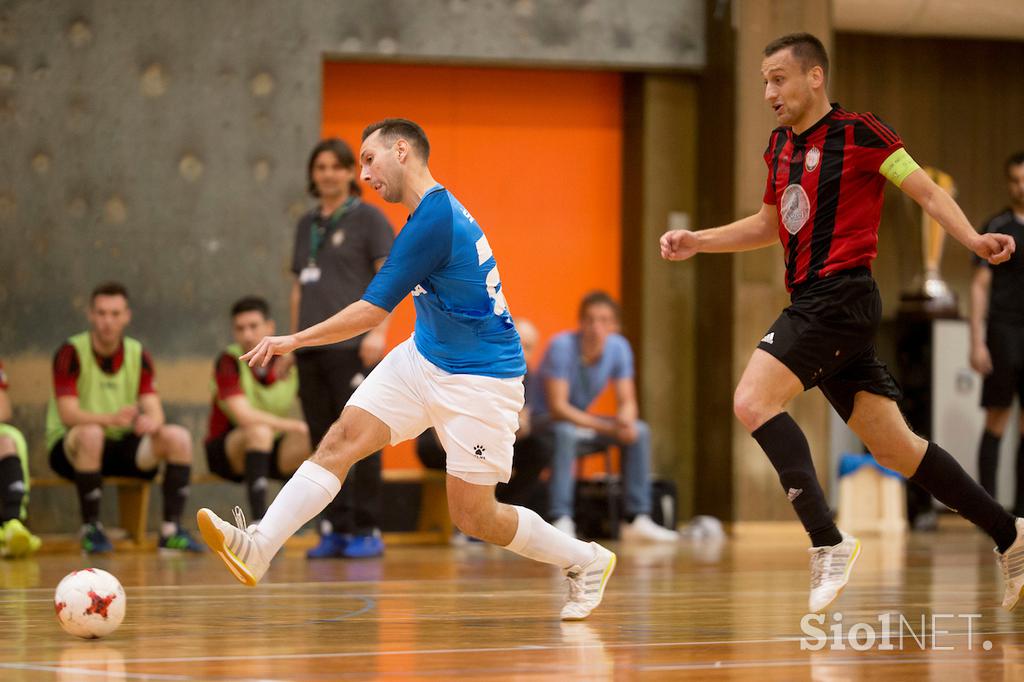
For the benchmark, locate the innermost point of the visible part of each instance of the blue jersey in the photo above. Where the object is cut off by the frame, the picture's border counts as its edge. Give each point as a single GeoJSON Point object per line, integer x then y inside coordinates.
{"type": "Point", "coordinates": [462, 321]}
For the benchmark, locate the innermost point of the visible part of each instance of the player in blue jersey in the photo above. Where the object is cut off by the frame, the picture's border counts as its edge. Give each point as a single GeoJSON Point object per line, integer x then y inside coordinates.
{"type": "Point", "coordinates": [460, 373]}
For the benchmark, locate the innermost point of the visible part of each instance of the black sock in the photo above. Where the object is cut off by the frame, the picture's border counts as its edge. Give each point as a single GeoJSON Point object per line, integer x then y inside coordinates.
{"type": "Point", "coordinates": [988, 462]}
{"type": "Point", "coordinates": [257, 471]}
{"type": "Point", "coordinates": [90, 493]}
{"type": "Point", "coordinates": [176, 478]}
{"type": "Point", "coordinates": [12, 488]}
{"type": "Point", "coordinates": [943, 477]}
{"type": "Point", "coordinates": [786, 446]}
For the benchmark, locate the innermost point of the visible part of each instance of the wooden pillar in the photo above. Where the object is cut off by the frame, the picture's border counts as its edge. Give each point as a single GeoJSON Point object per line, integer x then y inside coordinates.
{"type": "Point", "coordinates": [758, 276]}
{"type": "Point", "coordinates": [660, 181]}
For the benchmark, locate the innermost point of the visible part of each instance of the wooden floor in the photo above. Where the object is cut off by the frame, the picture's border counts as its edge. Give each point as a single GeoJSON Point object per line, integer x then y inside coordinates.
{"type": "Point", "coordinates": [692, 612]}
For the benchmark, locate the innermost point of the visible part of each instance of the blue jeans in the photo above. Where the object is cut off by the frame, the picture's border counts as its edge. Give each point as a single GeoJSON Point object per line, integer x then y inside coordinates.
{"type": "Point", "coordinates": [571, 442]}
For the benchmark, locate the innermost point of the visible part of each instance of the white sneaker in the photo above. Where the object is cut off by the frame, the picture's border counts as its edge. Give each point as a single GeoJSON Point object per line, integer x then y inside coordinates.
{"type": "Point", "coordinates": [234, 545]}
{"type": "Point", "coordinates": [586, 584]}
{"type": "Point", "coordinates": [644, 529]}
{"type": "Point", "coordinates": [830, 571]}
{"type": "Point", "coordinates": [1012, 563]}
{"type": "Point", "coordinates": [566, 525]}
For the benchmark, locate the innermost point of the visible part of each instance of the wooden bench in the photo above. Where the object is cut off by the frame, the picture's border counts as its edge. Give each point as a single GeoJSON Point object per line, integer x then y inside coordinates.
{"type": "Point", "coordinates": [434, 526]}
{"type": "Point", "coordinates": [132, 498]}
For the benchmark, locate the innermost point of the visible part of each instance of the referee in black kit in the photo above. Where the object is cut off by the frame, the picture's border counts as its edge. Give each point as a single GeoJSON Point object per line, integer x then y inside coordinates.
{"type": "Point", "coordinates": [339, 246]}
{"type": "Point", "coordinates": [997, 336]}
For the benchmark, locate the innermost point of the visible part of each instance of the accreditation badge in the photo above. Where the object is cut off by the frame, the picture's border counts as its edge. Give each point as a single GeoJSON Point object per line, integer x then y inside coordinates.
{"type": "Point", "coordinates": [309, 275]}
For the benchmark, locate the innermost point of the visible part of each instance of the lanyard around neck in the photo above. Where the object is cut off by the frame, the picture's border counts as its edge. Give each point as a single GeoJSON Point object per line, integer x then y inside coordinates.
{"type": "Point", "coordinates": [318, 231]}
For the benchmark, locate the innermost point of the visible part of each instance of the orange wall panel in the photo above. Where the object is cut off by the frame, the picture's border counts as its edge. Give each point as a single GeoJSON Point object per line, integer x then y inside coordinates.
{"type": "Point", "coordinates": [536, 157]}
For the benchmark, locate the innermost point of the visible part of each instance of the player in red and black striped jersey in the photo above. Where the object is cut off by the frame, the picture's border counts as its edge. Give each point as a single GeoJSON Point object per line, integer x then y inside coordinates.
{"type": "Point", "coordinates": [827, 170]}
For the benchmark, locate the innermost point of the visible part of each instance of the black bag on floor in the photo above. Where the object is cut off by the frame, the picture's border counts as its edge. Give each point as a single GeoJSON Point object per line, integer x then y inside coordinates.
{"type": "Point", "coordinates": [593, 512]}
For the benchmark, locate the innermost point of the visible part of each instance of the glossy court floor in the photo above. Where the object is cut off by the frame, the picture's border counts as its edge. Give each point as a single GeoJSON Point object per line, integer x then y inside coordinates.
{"type": "Point", "coordinates": [693, 612]}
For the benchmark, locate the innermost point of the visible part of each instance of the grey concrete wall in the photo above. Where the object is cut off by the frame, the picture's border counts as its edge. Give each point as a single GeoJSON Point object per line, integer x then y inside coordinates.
{"type": "Point", "coordinates": [163, 143]}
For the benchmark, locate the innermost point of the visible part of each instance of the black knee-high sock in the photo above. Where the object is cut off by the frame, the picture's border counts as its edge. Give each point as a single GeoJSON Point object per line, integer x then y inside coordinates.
{"type": "Point", "coordinates": [90, 493]}
{"type": "Point", "coordinates": [176, 477]}
{"type": "Point", "coordinates": [12, 488]}
{"type": "Point", "coordinates": [257, 471]}
{"type": "Point", "coordinates": [786, 446]}
{"type": "Point", "coordinates": [988, 461]}
{"type": "Point", "coordinates": [943, 477]}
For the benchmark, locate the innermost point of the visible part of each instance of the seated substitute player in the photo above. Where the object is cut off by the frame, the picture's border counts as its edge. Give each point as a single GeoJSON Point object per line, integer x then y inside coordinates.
{"type": "Point", "coordinates": [251, 438]}
{"type": "Point", "coordinates": [105, 419]}
{"type": "Point", "coordinates": [460, 373]}
{"type": "Point", "coordinates": [15, 539]}
{"type": "Point", "coordinates": [827, 169]}
{"type": "Point", "coordinates": [576, 369]}
{"type": "Point", "coordinates": [997, 337]}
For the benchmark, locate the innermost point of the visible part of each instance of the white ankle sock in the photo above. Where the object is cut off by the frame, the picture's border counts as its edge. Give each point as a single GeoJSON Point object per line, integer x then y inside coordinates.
{"type": "Point", "coordinates": [310, 489]}
{"type": "Point", "coordinates": [537, 539]}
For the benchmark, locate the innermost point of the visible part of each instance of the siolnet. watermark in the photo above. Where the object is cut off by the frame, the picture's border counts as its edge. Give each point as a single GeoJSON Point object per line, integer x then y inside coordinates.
{"type": "Point", "coordinates": [891, 632]}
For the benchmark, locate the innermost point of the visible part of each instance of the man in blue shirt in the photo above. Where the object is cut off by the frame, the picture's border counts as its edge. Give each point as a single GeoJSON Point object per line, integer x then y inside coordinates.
{"type": "Point", "coordinates": [576, 369]}
{"type": "Point", "coordinates": [461, 373]}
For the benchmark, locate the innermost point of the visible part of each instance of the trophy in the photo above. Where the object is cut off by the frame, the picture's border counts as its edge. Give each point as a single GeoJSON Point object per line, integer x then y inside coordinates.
{"type": "Point", "coordinates": [930, 296]}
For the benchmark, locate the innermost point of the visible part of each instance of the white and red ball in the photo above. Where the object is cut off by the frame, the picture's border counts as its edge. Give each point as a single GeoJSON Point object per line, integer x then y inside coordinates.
{"type": "Point", "coordinates": [90, 603]}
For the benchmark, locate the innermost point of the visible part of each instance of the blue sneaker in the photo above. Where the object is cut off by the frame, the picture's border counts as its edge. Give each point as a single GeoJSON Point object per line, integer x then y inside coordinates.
{"type": "Point", "coordinates": [94, 540]}
{"type": "Point", "coordinates": [331, 546]}
{"type": "Point", "coordinates": [179, 542]}
{"type": "Point", "coordinates": [365, 546]}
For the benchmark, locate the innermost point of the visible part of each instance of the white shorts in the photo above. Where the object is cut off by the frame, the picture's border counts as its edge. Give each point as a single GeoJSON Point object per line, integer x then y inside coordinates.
{"type": "Point", "coordinates": [476, 417]}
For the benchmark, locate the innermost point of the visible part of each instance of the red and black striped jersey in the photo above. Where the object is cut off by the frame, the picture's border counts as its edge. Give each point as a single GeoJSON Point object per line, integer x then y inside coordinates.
{"type": "Point", "coordinates": [828, 192]}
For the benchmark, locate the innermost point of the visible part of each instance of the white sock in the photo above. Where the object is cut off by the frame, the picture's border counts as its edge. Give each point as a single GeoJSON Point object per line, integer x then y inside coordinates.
{"type": "Point", "coordinates": [307, 492]}
{"type": "Point", "coordinates": [538, 540]}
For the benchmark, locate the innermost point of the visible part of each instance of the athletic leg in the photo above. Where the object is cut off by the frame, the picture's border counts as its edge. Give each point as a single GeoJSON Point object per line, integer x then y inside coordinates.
{"type": "Point", "coordinates": [356, 434]}
{"type": "Point", "coordinates": [765, 389]}
{"type": "Point", "coordinates": [588, 566]}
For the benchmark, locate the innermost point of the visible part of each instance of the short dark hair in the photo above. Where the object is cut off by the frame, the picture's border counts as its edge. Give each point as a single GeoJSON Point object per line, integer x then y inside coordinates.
{"type": "Point", "coordinates": [807, 49]}
{"type": "Point", "coordinates": [250, 304]}
{"type": "Point", "coordinates": [109, 289]}
{"type": "Point", "coordinates": [393, 128]}
{"type": "Point", "coordinates": [346, 158]}
{"type": "Point", "coordinates": [598, 297]}
{"type": "Point", "coordinates": [1015, 160]}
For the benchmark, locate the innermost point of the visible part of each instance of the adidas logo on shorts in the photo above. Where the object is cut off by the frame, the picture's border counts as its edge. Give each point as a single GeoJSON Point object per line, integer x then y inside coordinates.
{"type": "Point", "coordinates": [769, 338]}
{"type": "Point", "coordinates": [479, 451]}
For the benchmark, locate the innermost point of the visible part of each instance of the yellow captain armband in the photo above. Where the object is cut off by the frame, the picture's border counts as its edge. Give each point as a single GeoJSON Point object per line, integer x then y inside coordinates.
{"type": "Point", "coordinates": [898, 166]}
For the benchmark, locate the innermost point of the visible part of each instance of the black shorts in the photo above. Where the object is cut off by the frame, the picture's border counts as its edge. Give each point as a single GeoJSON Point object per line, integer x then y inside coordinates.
{"type": "Point", "coordinates": [118, 459]}
{"type": "Point", "coordinates": [1006, 346]}
{"type": "Point", "coordinates": [826, 338]}
{"type": "Point", "coordinates": [218, 462]}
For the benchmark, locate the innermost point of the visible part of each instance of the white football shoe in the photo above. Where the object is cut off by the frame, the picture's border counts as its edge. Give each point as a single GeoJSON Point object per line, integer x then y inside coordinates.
{"type": "Point", "coordinates": [1012, 564]}
{"type": "Point", "coordinates": [830, 571]}
{"type": "Point", "coordinates": [234, 545]}
{"type": "Point", "coordinates": [566, 525]}
{"type": "Point", "coordinates": [587, 583]}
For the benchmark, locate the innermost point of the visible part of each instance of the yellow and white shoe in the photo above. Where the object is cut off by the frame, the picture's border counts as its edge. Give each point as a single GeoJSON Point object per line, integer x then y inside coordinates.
{"type": "Point", "coordinates": [234, 545]}
{"type": "Point", "coordinates": [830, 571]}
{"type": "Point", "coordinates": [16, 540]}
{"type": "Point", "coordinates": [587, 583]}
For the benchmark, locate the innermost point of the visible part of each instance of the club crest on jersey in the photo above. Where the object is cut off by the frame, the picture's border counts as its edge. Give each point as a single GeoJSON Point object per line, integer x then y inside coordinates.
{"type": "Point", "coordinates": [796, 208]}
{"type": "Point", "coordinates": [812, 159]}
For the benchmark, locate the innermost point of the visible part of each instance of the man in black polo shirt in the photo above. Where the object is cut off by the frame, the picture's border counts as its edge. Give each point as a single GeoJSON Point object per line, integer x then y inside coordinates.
{"type": "Point", "coordinates": [997, 348]}
{"type": "Point", "coordinates": [339, 246]}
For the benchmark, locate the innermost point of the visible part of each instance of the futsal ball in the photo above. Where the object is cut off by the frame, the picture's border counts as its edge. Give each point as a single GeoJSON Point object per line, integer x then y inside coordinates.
{"type": "Point", "coordinates": [90, 603]}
